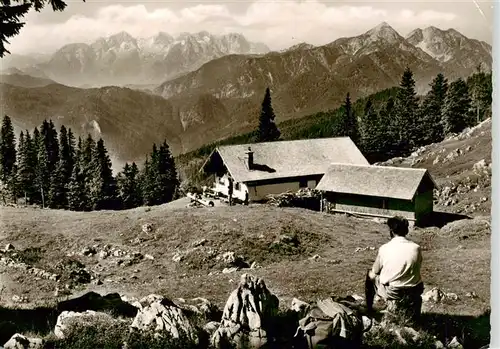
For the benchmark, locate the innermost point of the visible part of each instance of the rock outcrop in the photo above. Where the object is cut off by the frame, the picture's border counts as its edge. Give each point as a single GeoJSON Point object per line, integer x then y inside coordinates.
{"type": "Point", "coordinates": [162, 315]}
{"type": "Point", "coordinates": [247, 317]}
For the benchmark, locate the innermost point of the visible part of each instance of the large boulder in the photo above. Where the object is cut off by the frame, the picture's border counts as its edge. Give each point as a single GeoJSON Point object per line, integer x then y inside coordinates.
{"type": "Point", "coordinates": [162, 315]}
{"type": "Point", "coordinates": [248, 315]}
{"type": "Point", "coordinates": [68, 318]}
{"type": "Point", "coordinates": [19, 341]}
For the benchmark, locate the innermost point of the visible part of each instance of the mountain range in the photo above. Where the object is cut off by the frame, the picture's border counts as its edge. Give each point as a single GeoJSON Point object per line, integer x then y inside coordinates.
{"type": "Point", "coordinates": [121, 59]}
{"type": "Point", "coordinates": [203, 99]}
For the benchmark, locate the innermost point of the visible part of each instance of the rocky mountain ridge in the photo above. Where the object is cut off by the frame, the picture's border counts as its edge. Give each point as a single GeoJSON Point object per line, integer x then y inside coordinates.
{"type": "Point", "coordinates": [123, 59]}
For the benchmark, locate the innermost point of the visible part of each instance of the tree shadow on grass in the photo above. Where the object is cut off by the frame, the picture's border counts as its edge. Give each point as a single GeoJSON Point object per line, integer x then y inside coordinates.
{"type": "Point", "coordinates": [42, 320]}
{"type": "Point", "coordinates": [39, 320]}
{"type": "Point", "coordinates": [472, 332]}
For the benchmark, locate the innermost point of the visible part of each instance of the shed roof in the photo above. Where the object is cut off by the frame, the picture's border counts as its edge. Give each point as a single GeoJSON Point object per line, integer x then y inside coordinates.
{"type": "Point", "coordinates": [282, 159]}
{"type": "Point", "coordinates": [380, 181]}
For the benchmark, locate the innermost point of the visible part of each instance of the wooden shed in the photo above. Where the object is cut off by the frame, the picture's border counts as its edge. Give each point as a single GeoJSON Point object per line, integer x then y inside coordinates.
{"type": "Point", "coordinates": [277, 167]}
{"type": "Point", "coordinates": [378, 191]}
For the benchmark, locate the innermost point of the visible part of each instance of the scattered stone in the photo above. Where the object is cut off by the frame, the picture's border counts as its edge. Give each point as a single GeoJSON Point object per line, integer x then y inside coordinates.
{"type": "Point", "coordinates": [229, 270]}
{"type": "Point", "coordinates": [315, 257]}
{"type": "Point", "coordinates": [434, 295]}
{"type": "Point", "coordinates": [9, 247]}
{"type": "Point", "coordinates": [19, 299]}
{"type": "Point", "coordinates": [451, 296]}
{"type": "Point", "coordinates": [439, 345]}
{"type": "Point", "coordinates": [454, 344]}
{"type": "Point", "coordinates": [177, 257]}
{"type": "Point", "coordinates": [471, 294]}
{"type": "Point", "coordinates": [254, 265]}
{"type": "Point", "coordinates": [18, 341]}
{"type": "Point", "coordinates": [199, 242]}
{"type": "Point", "coordinates": [148, 256]}
{"type": "Point", "coordinates": [147, 228]}
{"type": "Point", "coordinates": [361, 249]}
{"type": "Point", "coordinates": [88, 251]}
{"type": "Point", "coordinates": [299, 306]}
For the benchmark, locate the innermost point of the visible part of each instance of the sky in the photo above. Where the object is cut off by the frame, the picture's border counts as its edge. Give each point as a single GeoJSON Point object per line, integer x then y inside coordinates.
{"type": "Point", "coordinates": [279, 24]}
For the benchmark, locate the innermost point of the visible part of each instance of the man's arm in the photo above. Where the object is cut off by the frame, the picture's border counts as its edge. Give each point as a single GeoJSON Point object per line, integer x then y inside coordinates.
{"type": "Point", "coordinates": [376, 268]}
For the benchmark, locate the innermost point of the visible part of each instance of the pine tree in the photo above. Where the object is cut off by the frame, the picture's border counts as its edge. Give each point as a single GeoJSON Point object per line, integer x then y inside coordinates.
{"type": "Point", "coordinates": [457, 108]}
{"type": "Point", "coordinates": [348, 123]}
{"type": "Point", "coordinates": [406, 108]}
{"type": "Point", "coordinates": [7, 150]}
{"type": "Point", "coordinates": [431, 128]}
{"type": "Point", "coordinates": [267, 131]}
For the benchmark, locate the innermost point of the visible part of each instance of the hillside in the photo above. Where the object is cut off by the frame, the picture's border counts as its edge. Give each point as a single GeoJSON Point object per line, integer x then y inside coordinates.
{"type": "Point", "coordinates": [116, 114]}
{"type": "Point", "coordinates": [24, 80]}
{"type": "Point", "coordinates": [180, 260]}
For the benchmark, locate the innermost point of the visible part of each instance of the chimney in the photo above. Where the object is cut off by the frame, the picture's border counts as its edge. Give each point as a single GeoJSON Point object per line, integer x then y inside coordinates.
{"type": "Point", "coordinates": [249, 158]}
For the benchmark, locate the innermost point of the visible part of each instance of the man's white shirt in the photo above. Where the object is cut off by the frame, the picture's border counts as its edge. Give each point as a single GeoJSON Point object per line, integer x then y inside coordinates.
{"type": "Point", "coordinates": [398, 263]}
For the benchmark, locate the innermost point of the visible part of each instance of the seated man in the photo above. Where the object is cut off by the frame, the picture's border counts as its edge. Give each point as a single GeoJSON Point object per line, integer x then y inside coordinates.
{"type": "Point", "coordinates": [395, 275]}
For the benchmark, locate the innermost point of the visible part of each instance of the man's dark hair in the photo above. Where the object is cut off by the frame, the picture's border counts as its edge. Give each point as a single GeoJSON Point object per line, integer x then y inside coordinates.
{"type": "Point", "coordinates": [398, 225]}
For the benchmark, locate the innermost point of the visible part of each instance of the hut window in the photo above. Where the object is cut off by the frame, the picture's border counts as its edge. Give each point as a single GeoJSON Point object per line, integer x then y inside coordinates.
{"type": "Point", "coordinates": [302, 183]}
{"type": "Point", "coordinates": [237, 186]}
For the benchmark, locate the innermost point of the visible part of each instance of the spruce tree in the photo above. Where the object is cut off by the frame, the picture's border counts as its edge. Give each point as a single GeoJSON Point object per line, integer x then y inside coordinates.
{"type": "Point", "coordinates": [77, 197]}
{"type": "Point", "coordinates": [480, 91]}
{"type": "Point", "coordinates": [26, 173]}
{"type": "Point", "coordinates": [42, 172]}
{"type": "Point", "coordinates": [147, 177]}
{"type": "Point", "coordinates": [166, 175]}
{"type": "Point", "coordinates": [389, 143]}
{"type": "Point", "coordinates": [71, 150]}
{"type": "Point", "coordinates": [62, 174]}
{"type": "Point", "coordinates": [431, 128]}
{"type": "Point", "coordinates": [406, 105]}
{"type": "Point", "coordinates": [348, 124]}
{"type": "Point", "coordinates": [129, 190]}
{"type": "Point", "coordinates": [103, 190]}
{"type": "Point", "coordinates": [7, 150]}
{"type": "Point", "coordinates": [457, 112]}
{"type": "Point", "coordinates": [267, 131]}
{"type": "Point", "coordinates": [371, 135]}
{"type": "Point", "coordinates": [49, 135]}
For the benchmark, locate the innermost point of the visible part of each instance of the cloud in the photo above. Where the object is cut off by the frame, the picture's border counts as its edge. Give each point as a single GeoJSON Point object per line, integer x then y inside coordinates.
{"type": "Point", "coordinates": [279, 24]}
